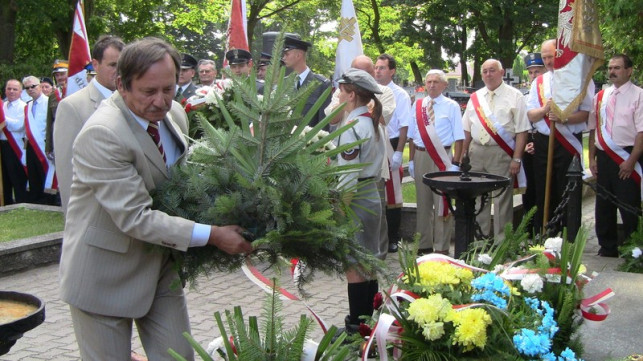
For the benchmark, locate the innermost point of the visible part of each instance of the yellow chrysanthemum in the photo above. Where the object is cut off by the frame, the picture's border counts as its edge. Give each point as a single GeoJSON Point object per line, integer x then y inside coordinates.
{"type": "Point", "coordinates": [436, 273]}
{"type": "Point", "coordinates": [428, 310]}
{"type": "Point", "coordinates": [470, 327]}
{"type": "Point", "coordinates": [433, 331]}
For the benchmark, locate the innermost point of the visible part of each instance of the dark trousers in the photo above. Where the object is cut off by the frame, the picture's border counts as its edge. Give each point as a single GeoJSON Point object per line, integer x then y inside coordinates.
{"type": "Point", "coordinates": [36, 177]}
{"type": "Point", "coordinates": [394, 215]}
{"type": "Point", "coordinates": [626, 191]}
{"type": "Point", "coordinates": [14, 178]}
{"type": "Point", "coordinates": [529, 197]}
{"type": "Point", "coordinates": [561, 160]}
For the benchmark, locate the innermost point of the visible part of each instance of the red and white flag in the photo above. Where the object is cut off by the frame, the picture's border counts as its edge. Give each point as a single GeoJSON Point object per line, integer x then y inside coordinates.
{"type": "Point", "coordinates": [579, 52]}
{"type": "Point", "coordinates": [349, 40]}
{"type": "Point", "coordinates": [237, 34]}
{"type": "Point", "coordinates": [79, 55]}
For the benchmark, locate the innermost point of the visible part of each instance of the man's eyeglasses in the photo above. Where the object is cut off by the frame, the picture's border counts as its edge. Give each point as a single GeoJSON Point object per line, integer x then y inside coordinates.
{"type": "Point", "coordinates": [31, 87]}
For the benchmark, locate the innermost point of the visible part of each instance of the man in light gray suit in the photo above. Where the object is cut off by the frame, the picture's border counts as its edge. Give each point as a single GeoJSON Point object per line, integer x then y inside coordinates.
{"type": "Point", "coordinates": [73, 111]}
{"type": "Point", "coordinates": [110, 275]}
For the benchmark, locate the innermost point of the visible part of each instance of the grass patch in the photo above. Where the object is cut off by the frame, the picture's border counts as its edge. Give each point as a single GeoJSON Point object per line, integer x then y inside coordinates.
{"type": "Point", "coordinates": [24, 223]}
{"type": "Point", "coordinates": [408, 192]}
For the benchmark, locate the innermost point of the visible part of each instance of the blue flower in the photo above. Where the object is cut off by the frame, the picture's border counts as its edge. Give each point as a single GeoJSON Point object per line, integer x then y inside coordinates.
{"type": "Point", "coordinates": [568, 355]}
{"type": "Point", "coordinates": [530, 343]}
{"type": "Point", "coordinates": [491, 289]}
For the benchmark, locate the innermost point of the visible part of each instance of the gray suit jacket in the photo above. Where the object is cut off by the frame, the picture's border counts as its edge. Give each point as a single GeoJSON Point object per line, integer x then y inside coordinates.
{"type": "Point", "coordinates": [72, 113]}
{"type": "Point", "coordinates": [107, 265]}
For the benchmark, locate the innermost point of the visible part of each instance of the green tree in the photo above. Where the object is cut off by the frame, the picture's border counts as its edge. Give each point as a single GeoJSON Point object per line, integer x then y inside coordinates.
{"type": "Point", "coordinates": [620, 23]}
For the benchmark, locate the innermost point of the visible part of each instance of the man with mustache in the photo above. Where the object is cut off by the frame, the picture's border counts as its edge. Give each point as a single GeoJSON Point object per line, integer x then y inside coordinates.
{"type": "Point", "coordinates": [615, 148]}
{"type": "Point", "coordinates": [112, 272]}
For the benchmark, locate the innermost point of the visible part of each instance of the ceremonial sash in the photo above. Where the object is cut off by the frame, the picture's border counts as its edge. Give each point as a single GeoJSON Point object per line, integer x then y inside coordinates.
{"type": "Point", "coordinates": [433, 146]}
{"type": "Point", "coordinates": [37, 141]}
{"type": "Point", "coordinates": [503, 138]}
{"type": "Point", "coordinates": [563, 134]}
{"type": "Point", "coordinates": [613, 150]}
{"type": "Point", "coordinates": [13, 142]}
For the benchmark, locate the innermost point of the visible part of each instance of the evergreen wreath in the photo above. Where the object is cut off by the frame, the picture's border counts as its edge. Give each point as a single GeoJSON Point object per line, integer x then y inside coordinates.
{"type": "Point", "coordinates": [272, 175]}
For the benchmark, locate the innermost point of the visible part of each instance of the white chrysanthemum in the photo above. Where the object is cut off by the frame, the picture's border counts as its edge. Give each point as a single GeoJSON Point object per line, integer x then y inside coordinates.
{"type": "Point", "coordinates": [636, 252]}
{"type": "Point", "coordinates": [484, 258]}
{"type": "Point", "coordinates": [554, 244]}
{"type": "Point", "coordinates": [532, 283]}
{"type": "Point", "coordinates": [498, 268]}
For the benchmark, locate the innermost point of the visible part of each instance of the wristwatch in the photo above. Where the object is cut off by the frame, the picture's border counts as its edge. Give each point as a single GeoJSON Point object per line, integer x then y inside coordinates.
{"type": "Point", "coordinates": [517, 160]}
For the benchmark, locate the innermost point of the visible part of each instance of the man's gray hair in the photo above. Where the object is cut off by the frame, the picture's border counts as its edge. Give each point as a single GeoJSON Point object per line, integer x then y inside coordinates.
{"type": "Point", "coordinates": [441, 75]}
{"type": "Point", "coordinates": [139, 56]}
{"type": "Point", "coordinates": [206, 62]}
{"type": "Point", "coordinates": [30, 78]}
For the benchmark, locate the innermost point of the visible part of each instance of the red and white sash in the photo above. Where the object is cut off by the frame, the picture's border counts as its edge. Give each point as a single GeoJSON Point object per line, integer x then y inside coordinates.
{"type": "Point", "coordinates": [503, 138]}
{"type": "Point", "coordinates": [14, 143]}
{"type": "Point", "coordinates": [563, 134]}
{"type": "Point", "coordinates": [433, 145]}
{"type": "Point", "coordinates": [35, 132]}
{"type": "Point", "coordinates": [604, 139]}
{"type": "Point", "coordinates": [393, 184]}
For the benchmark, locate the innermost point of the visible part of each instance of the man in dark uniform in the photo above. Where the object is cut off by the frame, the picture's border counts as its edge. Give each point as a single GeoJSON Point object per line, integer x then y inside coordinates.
{"type": "Point", "coordinates": [262, 65]}
{"type": "Point", "coordinates": [294, 58]}
{"type": "Point", "coordinates": [185, 88]}
{"type": "Point", "coordinates": [535, 67]}
{"type": "Point", "coordinates": [240, 62]}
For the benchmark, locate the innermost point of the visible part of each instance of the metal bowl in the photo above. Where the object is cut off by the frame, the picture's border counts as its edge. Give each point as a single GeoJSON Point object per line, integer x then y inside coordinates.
{"type": "Point", "coordinates": [12, 331]}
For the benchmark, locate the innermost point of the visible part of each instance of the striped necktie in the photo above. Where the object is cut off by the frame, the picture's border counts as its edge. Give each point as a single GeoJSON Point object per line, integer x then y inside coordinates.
{"type": "Point", "coordinates": [153, 131]}
{"type": "Point", "coordinates": [430, 114]}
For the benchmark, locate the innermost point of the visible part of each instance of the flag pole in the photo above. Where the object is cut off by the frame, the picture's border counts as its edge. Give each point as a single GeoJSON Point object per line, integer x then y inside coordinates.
{"type": "Point", "coordinates": [550, 168]}
{"type": "Point", "coordinates": [1, 182]}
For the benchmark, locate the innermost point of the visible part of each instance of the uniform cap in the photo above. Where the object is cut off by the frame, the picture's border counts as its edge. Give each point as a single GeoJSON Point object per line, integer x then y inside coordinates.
{"type": "Point", "coordinates": [293, 41]}
{"type": "Point", "coordinates": [533, 59]}
{"type": "Point", "coordinates": [188, 61]}
{"type": "Point", "coordinates": [361, 79]}
{"type": "Point", "coordinates": [60, 66]}
{"type": "Point", "coordinates": [238, 56]}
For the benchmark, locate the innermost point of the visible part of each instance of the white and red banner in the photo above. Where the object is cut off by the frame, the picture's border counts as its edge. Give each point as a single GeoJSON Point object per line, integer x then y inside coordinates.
{"type": "Point", "coordinates": [237, 34]}
{"type": "Point", "coordinates": [579, 52]}
{"type": "Point", "coordinates": [79, 54]}
{"type": "Point", "coordinates": [349, 40]}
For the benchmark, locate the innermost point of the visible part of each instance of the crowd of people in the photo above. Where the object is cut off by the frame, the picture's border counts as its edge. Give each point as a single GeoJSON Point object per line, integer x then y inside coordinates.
{"type": "Point", "coordinates": [105, 147]}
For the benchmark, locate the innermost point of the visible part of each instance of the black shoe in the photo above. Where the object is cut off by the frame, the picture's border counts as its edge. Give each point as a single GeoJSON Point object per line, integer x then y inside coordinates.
{"type": "Point", "coordinates": [423, 251]}
{"type": "Point", "coordinates": [349, 329]}
{"type": "Point", "coordinates": [392, 247]}
{"type": "Point", "coordinates": [606, 252]}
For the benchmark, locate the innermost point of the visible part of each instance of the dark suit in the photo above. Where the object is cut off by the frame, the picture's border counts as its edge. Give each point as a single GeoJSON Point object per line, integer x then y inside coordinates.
{"type": "Point", "coordinates": [108, 268]}
{"type": "Point", "coordinates": [323, 85]}
{"type": "Point", "coordinates": [187, 93]}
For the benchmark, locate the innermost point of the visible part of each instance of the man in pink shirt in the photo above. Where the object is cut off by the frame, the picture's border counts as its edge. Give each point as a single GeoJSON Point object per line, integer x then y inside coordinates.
{"type": "Point", "coordinates": [615, 148]}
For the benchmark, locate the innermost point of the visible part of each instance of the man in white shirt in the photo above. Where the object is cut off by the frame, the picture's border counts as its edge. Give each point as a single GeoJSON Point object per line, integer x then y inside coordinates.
{"type": "Point", "coordinates": [38, 163]}
{"type": "Point", "coordinates": [495, 127]}
{"type": "Point", "coordinates": [571, 129]}
{"type": "Point", "coordinates": [12, 134]}
{"type": "Point", "coordinates": [385, 68]}
{"type": "Point", "coordinates": [74, 110]}
{"type": "Point", "coordinates": [435, 140]}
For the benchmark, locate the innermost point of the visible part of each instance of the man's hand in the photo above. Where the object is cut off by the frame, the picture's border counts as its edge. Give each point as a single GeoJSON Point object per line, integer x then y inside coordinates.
{"type": "Point", "coordinates": [529, 148]}
{"type": "Point", "coordinates": [625, 169]}
{"type": "Point", "coordinates": [396, 162]}
{"type": "Point", "coordinates": [412, 169]}
{"type": "Point", "coordinates": [514, 167]}
{"type": "Point", "coordinates": [229, 239]}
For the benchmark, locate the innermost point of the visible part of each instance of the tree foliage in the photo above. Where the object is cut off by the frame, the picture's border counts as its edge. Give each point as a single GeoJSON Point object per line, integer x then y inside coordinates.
{"type": "Point", "coordinates": [421, 34]}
